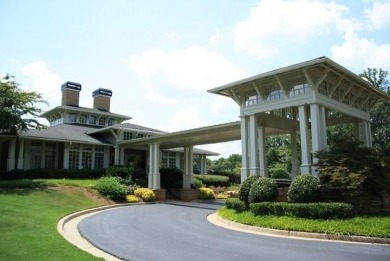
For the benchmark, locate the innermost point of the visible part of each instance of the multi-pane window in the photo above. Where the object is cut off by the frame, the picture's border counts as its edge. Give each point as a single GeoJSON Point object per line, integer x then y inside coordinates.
{"type": "Point", "coordinates": [127, 135]}
{"type": "Point", "coordinates": [83, 118]}
{"type": "Point", "coordinates": [110, 122]}
{"type": "Point", "coordinates": [168, 159]}
{"type": "Point", "coordinates": [92, 120]}
{"type": "Point", "coordinates": [72, 117]}
{"type": "Point", "coordinates": [86, 156]}
{"type": "Point", "coordinates": [43, 154]}
{"type": "Point", "coordinates": [102, 121]}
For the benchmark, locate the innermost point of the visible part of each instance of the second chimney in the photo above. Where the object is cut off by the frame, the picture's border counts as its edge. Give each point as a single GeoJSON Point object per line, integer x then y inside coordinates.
{"type": "Point", "coordinates": [101, 99]}
{"type": "Point", "coordinates": [70, 94]}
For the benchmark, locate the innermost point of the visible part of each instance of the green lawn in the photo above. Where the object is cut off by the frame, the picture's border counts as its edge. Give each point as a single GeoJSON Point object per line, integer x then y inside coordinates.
{"type": "Point", "coordinates": [362, 226]}
{"type": "Point", "coordinates": [28, 219]}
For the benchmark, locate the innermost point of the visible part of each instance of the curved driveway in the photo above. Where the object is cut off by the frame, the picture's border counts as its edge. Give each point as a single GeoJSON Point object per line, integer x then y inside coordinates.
{"type": "Point", "coordinates": [160, 232]}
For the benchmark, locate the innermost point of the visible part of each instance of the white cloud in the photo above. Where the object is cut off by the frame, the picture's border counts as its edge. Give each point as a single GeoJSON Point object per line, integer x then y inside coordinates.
{"type": "Point", "coordinates": [274, 23]}
{"type": "Point", "coordinates": [359, 53]}
{"type": "Point", "coordinates": [39, 78]}
{"type": "Point", "coordinates": [379, 15]}
{"type": "Point", "coordinates": [216, 38]}
{"type": "Point", "coordinates": [186, 118]}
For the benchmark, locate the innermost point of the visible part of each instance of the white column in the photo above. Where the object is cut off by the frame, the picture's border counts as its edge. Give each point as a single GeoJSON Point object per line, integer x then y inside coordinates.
{"type": "Point", "coordinates": [305, 150]}
{"type": "Point", "coordinates": [11, 155]}
{"type": "Point", "coordinates": [317, 130]}
{"type": "Point", "coordinates": [369, 135]}
{"type": "Point", "coordinates": [156, 168]}
{"type": "Point", "coordinates": [151, 166]}
{"type": "Point", "coordinates": [188, 167]}
{"type": "Point", "coordinates": [253, 146]}
{"type": "Point", "coordinates": [191, 165]}
{"type": "Point", "coordinates": [244, 149]}
{"type": "Point", "coordinates": [323, 126]}
{"type": "Point", "coordinates": [122, 156]}
{"type": "Point", "coordinates": [262, 152]}
{"type": "Point", "coordinates": [66, 155]}
{"type": "Point", "coordinates": [177, 161]}
{"type": "Point", "coordinates": [294, 155]}
{"type": "Point", "coordinates": [21, 156]}
{"type": "Point", "coordinates": [364, 129]}
{"type": "Point", "coordinates": [116, 155]}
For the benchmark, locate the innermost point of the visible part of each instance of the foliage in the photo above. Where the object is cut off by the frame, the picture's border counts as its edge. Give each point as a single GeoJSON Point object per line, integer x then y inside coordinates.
{"type": "Point", "coordinates": [230, 165]}
{"type": "Point", "coordinates": [278, 152]}
{"type": "Point", "coordinates": [221, 196]}
{"type": "Point", "coordinates": [235, 204]}
{"type": "Point", "coordinates": [61, 174]}
{"type": "Point", "coordinates": [361, 226]}
{"type": "Point", "coordinates": [18, 110]}
{"type": "Point", "coordinates": [243, 194]}
{"type": "Point", "coordinates": [263, 189]}
{"type": "Point", "coordinates": [321, 210]}
{"type": "Point", "coordinates": [171, 177]}
{"type": "Point", "coordinates": [354, 169]}
{"type": "Point", "coordinates": [146, 194]}
{"type": "Point", "coordinates": [206, 193]}
{"type": "Point", "coordinates": [380, 114]}
{"type": "Point", "coordinates": [122, 171]}
{"type": "Point", "coordinates": [213, 180]}
{"type": "Point", "coordinates": [279, 174]}
{"type": "Point", "coordinates": [110, 187]}
{"type": "Point", "coordinates": [303, 189]}
{"type": "Point", "coordinates": [132, 199]}
{"type": "Point", "coordinates": [234, 178]}
{"type": "Point", "coordinates": [198, 183]}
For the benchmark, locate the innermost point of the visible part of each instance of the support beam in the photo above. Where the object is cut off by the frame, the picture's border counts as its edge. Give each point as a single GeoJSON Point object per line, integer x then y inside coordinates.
{"type": "Point", "coordinates": [317, 129]}
{"type": "Point", "coordinates": [116, 155]}
{"type": "Point", "coordinates": [154, 166]}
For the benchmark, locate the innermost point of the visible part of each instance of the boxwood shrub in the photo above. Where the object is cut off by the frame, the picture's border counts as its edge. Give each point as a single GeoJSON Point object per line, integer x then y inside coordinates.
{"type": "Point", "coordinates": [303, 189]}
{"type": "Point", "coordinates": [319, 210]}
{"type": "Point", "coordinates": [263, 189]}
{"type": "Point", "coordinates": [110, 187]}
{"type": "Point", "coordinates": [64, 173]}
{"type": "Point", "coordinates": [213, 180]}
{"type": "Point", "coordinates": [279, 174]}
{"type": "Point", "coordinates": [235, 204]}
{"type": "Point", "coordinates": [122, 171]}
{"type": "Point", "coordinates": [243, 194]}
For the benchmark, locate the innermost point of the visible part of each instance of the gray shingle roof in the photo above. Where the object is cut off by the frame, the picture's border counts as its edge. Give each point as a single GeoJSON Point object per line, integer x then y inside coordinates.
{"type": "Point", "coordinates": [129, 126]}
{"type": "Point", "coordinates": [65, 132]}
{"type": "Point", "coordinates": [85, 110]}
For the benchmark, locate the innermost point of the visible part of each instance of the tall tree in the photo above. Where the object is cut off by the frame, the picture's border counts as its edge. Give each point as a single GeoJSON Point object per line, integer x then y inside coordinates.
{"type": "Point", "coordinates": [18, 110]}
{"type": "Point", "coordinates": [380, 114]}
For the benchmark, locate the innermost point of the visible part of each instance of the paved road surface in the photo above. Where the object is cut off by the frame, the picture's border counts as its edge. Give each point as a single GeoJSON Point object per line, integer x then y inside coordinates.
{"type": "Point", "coordinates": [162, 232]}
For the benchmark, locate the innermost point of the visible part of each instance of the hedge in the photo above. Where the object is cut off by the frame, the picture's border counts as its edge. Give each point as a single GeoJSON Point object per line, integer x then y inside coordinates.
{"type": "Point", "coordinates": [320, 210]}
{"type": "Point", "coordinates": [234, 178]}
{"type": "Point", "coordinates": [213, 180]}
{"type": "Point", "coordinates": [171, 178]}
{"type": "Point", "coordinates": [235, 204]}
{"type": "Point", "coordinates": [53, 174]}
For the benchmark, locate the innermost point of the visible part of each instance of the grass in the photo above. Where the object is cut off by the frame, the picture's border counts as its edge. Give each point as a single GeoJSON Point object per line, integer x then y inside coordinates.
{"type": "Point", "coordinates": [360, 226]}
{"type": "Point", "coordinates": [42, 183]}
{"type": "Point", "coordinates": [28, 219]}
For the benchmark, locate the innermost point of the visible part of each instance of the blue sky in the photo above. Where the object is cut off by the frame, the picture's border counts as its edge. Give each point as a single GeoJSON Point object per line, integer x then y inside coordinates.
{"type": "Point", "coordinates": [160, 57]}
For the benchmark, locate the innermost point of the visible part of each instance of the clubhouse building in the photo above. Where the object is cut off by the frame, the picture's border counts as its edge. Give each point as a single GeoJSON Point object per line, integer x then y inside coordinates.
{"type": "Point", "coordinates": [301, 99]}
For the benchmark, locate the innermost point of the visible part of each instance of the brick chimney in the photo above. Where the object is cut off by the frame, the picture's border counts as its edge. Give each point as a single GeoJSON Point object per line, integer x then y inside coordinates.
{"type": "Point", "coordinates": [70, 93]}
{"type": "Point", "coordinates": [101, 99]}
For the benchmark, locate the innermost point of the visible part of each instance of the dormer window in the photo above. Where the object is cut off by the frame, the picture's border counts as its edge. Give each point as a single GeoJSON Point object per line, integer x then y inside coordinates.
{"type": "Point", "coordinates": [110, 122]}
{"type": "Point", "coordinates": [83, 118]}
{"type": "Point", "coordinates": [72, 117]}
{"type": "Point", "coordinates": [102, 121]}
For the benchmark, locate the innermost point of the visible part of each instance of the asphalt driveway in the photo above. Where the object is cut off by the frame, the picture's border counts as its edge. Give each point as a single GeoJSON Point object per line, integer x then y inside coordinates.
{"type": "Point", "coordinates": [160, 232]}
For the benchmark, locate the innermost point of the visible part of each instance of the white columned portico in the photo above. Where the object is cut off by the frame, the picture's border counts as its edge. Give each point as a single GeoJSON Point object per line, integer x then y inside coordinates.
{"type": "Point", "coordinates": [116, 155]}
{"type": "Point", "coordinates": [154, 166]}
{"type": "Point", "coordinates": [317, 133]}
{"type": "Point", "coordinates": [253, 146]}
{"type": "Point", "coordinates": [305, 148]}
{"type": "Point", "coordinates": [122, 156]}
{"type": "Point", "coordinates": [11, 154]}
{"type": "Point", "coordinates": [188, 167]}
{"type": "Point", "coordinates": [261, 151]}
{"type": "Point", "coordinates": [21, 152]}
{"type": "Point", "coordinates": [244, 148]}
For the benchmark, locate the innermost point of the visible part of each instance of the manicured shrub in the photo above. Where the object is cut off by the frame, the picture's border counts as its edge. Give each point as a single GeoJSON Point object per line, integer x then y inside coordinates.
{"type": "Point", "coordinates": [262, 190]}
{"type": "Point", "coordinates": [206, 193]}
{"type": "Point", "coordinates": [320, 210]}
{"type": "Point", "coordinates": [132, 199]}
{"type": "Point", "coordinates": [147, 195]}
{"type": "Point", "coordinates": [213, 180]}
{"type": "Point", "coordinates": [171, 178]}
{"type": "Point", "coordinates": [279, 174]}
{"type": "Point", "coordinates": [235, 204]}
{"type": "Point", "coordinates": [234, 178]}
{"type": "Point", "coordinates": [110, 187]}
{"type": "Point", "coordinates": [198, 183]}
{"type": "Point", "coordinates": [13, 174]}
{"type": "Point", "coordinates": [64, 173]}
{"type": "Point", "coordinates": [303, 189]}
{"type": "Point", "coordinates": [123, 171]}
{"type": "Point", "coordinates": [243, 194]}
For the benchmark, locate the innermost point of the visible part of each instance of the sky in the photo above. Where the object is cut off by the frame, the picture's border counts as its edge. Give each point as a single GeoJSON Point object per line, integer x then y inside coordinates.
{"type": "Point", "coordinates": [159, 58]}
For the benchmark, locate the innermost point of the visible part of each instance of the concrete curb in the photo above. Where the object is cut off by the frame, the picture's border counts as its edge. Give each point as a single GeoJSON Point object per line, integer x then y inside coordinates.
{"type": "Point", "coordinates": [219, 221]}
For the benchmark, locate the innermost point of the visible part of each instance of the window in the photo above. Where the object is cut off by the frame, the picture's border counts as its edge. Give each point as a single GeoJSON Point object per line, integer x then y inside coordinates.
{"type": "Point", "coordinates": [86, 156]}
{"type": "Point", "coordinates": [168, 159]}
{"type": "Point", "coordinates": [102, 121]}
{"type": "Point", "coordinates": [72, 117]}
{"type": "Point", "coordinates": [110, 122]}
{"type": "Point", "coordinates": [139, 135]}
{"type": "Point", "coordinates": [99, 157]}
{"type": "Point", "coordinates": [127, 135]}
{"type": "Point", "coordinates": [73, 162]}
{"type": "Point", "coordinates": [92, 120]}
{"type": "Point", "coordinates": [83, 118]}
{"type": "Point", "coordinates": [43, 154]}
